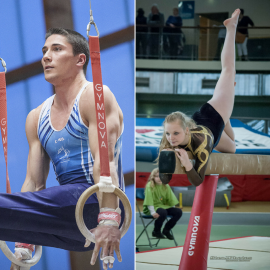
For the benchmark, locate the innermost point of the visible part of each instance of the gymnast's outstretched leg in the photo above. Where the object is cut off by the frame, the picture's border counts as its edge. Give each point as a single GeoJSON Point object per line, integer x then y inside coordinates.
{"type": "Point", "coordinates": [223, 97]}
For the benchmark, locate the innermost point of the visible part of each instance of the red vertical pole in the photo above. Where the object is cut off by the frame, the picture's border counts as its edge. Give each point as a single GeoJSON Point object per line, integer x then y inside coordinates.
{"type": "Point", "coordinates": [196, 247]}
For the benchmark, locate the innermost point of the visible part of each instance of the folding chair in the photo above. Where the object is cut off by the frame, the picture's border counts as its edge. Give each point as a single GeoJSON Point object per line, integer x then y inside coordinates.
{"type": "Point", "coordinates": [140, 195]}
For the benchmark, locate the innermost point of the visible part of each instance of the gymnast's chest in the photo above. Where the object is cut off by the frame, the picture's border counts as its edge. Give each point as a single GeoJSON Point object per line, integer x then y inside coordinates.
{"type": "Point", "coordinates": [67, 143]}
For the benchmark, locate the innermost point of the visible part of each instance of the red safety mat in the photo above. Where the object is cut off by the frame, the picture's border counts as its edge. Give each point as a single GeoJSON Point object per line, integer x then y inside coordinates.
{"type": "Point", "coordinates": [245, 187]}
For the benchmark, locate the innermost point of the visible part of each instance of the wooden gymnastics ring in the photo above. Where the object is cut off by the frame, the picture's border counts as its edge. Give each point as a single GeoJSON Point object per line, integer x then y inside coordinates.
{"type": "Point", "coordinates": [24, 263]}
{"type": "Point", "coordinates": [80, 205]}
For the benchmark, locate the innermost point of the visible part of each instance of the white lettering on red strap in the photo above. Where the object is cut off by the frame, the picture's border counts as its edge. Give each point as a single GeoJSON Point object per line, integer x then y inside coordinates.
{"type": "Point", "coordinates": [102, 136]}
{"type": "Point", "coordinates": [101, 115]}
{"type": "Point", "coordinates": [98, 87]}
{"type": "Point", "coordinates": [3, 121]}
{"type": "Point", "coordinates": [101, 125]}
{"type": "Point", "coordinates": [99, 96]}
{"type": "Point", "coordinates": [100, 107]}
{"type": "Point", "coordinates": [4, 139]}
{"type": "Point", "coordinates": [103, 144]}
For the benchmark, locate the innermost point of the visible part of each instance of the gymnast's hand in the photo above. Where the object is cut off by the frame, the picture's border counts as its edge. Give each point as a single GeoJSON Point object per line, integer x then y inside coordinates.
{"type": "Point", "coordinates": [21, 254]}
{"type": "Point", "coordinates": [108, 237]}
{"type": "Point", "coordinates": [156, 215]}
{"type": "Point", "coordinates": [183, 157]}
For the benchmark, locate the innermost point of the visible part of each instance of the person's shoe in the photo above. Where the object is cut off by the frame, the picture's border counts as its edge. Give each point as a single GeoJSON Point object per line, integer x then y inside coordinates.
{"type": "Point", "coordinates": [158, 235]}
{"type": "Point", "coordinates": [168, 234]}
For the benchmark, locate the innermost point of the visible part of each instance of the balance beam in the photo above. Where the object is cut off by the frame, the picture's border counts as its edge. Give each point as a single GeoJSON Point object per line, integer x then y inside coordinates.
{"type": "Point", "coordinates": [234, 164]}
{"type": "Point", "coordinates": [196, 247]}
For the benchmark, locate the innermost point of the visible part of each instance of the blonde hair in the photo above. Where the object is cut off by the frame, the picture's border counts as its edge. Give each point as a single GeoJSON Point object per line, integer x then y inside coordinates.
{"type": "Point", "coordinates": [184, 122]}
{"type": "Point", "coordinates": [151, 178]}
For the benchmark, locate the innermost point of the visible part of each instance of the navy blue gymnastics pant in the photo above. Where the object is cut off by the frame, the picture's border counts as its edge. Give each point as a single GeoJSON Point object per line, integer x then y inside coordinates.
{"type": "Point", "coordinates": [47, 217]}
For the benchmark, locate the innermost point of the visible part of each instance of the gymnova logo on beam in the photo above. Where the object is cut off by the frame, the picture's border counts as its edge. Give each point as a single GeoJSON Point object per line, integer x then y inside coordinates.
{"type": "Point", "coordinates": [193, 236]}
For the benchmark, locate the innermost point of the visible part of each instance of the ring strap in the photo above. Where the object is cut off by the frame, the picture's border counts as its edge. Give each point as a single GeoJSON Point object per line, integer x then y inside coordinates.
{"type": "Point", "coordinates": [99, 105]}
{"type": "Point", "coordinates": [3, 123]}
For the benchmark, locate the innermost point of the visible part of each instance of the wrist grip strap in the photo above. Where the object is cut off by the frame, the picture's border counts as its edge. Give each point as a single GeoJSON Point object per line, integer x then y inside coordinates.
{"type": "Point", "coordinates": [23, 245]}
{"type": "Point", "coordinates": [109, 215]}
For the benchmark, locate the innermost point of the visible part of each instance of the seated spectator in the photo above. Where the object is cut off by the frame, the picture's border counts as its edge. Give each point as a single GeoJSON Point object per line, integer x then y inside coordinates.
{"type": "Point", "coordinates": [155, 21]}
{"type": "Point", "coordinates": [159, 202]}
{"type": "Point", "coordinates": [141, 34]}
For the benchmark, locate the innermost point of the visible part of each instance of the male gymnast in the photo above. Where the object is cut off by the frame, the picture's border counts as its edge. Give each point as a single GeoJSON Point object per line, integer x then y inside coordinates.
{"type": "Point", "coordinates": [63, 130]}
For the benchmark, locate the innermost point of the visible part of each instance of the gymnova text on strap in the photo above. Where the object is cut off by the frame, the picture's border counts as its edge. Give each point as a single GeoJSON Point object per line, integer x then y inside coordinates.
{"type": "Point", "coordinates": [101, 116]}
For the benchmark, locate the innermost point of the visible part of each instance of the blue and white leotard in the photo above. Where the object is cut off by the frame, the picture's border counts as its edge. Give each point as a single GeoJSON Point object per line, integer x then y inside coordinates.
{"type": "Point", "coordinates": [69, 148]}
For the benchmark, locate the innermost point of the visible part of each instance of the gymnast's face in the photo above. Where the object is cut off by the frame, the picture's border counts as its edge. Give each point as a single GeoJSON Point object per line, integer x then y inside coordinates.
{"type": "Point", "coordinates": [58, 61]}
{"type": "Point", "coordinates": [175, 134]}
{"type": "Point", "coordinates": [157, 179]}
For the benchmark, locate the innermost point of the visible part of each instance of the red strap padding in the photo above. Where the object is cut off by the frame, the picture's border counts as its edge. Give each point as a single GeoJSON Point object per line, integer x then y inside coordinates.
{"type": "Point", "coordinates": [3, 123]}
{"type": "Point", "coordinates": [109, 215]}
{"type": "Point", "coordinates": [99, 105]}
{"type": "Point", "coordinates": [23, 245]}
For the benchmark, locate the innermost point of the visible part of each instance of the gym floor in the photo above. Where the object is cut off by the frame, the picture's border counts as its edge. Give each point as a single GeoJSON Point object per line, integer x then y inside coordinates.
{"type": "Point", "coordinates": [242, 219]}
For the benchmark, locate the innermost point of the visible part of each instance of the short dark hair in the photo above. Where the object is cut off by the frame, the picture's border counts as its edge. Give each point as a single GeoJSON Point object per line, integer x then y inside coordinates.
{"type": "Point", "coordinates": [77, 41]}
{"type": "Point", "coordinates": [242, 11]}
{"type": "Point", "coordinates": [140, 12]}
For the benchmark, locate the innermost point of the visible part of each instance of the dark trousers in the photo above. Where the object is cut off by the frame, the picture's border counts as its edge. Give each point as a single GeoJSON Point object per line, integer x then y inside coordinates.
{"type": "Point", "coordinates": [141, 44]}
{"type": "Point", "coordinates": [154, 43]}
{"type": "Point", "coordinates": [219, 48]}
{"type": "Point", "coordinates": [176, 214]}
{"type": "Point", "coordinates": [47, 217]}
{"type": "Point", "coordinates": [174, 41]}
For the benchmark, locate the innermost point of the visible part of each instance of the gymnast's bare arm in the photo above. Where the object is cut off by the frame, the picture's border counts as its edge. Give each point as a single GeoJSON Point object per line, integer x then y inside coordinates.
{"type": "Point", "coordinates": [38, 163]}
{"type": "Point", "coordinates": [110, 238]}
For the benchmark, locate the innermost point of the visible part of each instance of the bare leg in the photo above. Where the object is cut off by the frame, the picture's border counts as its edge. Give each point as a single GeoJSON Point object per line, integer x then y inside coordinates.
{"type": "Point", "coordinates": [229, 130]}
{"type": "Point", "coordinates": [227, 141]}
{"type": "Point", "coordinates": [223, 97]}
{"type": "Point", "coordinates": [226, 144]}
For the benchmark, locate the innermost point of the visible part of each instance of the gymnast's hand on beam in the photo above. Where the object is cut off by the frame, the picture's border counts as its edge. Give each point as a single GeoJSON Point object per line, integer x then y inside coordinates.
{"type": "Point", "coordinates": [183, 157]}
{"type": "Point", "coordinates": [21, 254]}
{"type": "Point", "coordinates": [108, 237]}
